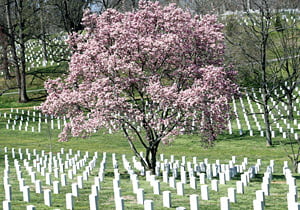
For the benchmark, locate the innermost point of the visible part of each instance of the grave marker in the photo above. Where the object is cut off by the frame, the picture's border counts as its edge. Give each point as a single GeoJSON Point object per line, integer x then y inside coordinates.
{"type": "Point", "coordinates": [194, 202]}
{"type": "Point", "coordinates": [140, 196]}
{"type": "Point", "coordinates": [26, 193]}
{"type": "Point", "coordinates": [148, 205]}
{"type": "Point", "coordinates": [93, 200]}
{"type": "Point", "coordinates": [180, 188]}
{"type": "Point", "coordinates": [69, 201]}
{"type": "Point", "coordinates": [225, 203]}
{"type": "Point", "coordinates": [215, 185]}
{"type": "Point", "coordinates": [232, 195]}
{"type": "Point", "coordinates": [167, 199]}
{"type": "Point", "coordinates": [47, 197]}
{"type": "Point", "coordinates": [204, 192]}
{"type": "Point", "coordinates": [6, 205]}
{"type": "Point", "coordinates": [30, 207]}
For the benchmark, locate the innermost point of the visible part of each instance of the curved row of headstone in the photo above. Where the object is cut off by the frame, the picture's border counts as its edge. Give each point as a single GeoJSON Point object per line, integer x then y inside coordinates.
{"type": "Point", "coordinates": [244, 112]}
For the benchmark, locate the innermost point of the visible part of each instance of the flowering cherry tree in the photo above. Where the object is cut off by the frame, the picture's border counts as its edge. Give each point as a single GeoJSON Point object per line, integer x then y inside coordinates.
{"type": "Point", "coordinates": [153, 73]}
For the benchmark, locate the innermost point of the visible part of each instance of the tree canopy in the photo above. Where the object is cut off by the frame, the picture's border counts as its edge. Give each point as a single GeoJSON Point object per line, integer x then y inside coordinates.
{"type": "Point", "coordinates": [153, 73]}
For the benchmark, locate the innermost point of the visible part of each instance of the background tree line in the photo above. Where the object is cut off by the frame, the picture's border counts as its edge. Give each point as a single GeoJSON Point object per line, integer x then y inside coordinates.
{"type": "Point", "coordinates": [24, 20]}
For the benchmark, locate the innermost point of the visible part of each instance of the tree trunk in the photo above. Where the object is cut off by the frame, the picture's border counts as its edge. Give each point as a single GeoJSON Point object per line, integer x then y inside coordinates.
{"type": "Point", "coordinates": [13, 47]}
{"type": "Point", "coordinates": [265, 90]}
{"type": "Point", "coordinates": [5, 62]}
{"type": "Point", "coordinates": [151, 152]}
{"type": "Point", "coordinates": [295, 164]}
{"type": "Point", "coordinates": [153, 158]}
{"type": "Point", "coordinates": [43, 32]}
{"type": "Point", "coordinates": [266, 113]}
{"type": "Point", "coordinates": [267, 124]}
{"type": "Point", "coordinates": [149, 161]}
{"type": "Point", "coordinates": [290, 105]}
{"type": "Point", "coordinates": [23, 98]}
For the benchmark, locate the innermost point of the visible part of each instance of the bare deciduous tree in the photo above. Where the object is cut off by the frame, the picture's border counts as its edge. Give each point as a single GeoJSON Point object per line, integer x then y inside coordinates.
{"type": "Point", "coordinates": [266, 58]}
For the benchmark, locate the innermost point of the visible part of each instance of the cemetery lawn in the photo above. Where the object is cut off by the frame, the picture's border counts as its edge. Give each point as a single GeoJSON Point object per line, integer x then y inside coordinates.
{"type": "Point", "coordinates": [228, 145]}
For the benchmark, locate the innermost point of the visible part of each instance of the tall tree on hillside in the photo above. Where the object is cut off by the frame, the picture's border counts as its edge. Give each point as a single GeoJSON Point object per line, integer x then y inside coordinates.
{"type": "Point", "coordinates": [68, 14]}
{"type": "Point", "coordinates": [153, 73]}
{"type": "Point", "coordinates": [285, 46]}
{"type": "Point", "coordinates": [18, 25]}
{"type": "Point", "coordinates": [43, 13]}
{"type": "Point", "coordinates": [4, 62]}
{"type": "Point", "coordinates": [13, 34]}
{"type": "Point", "coordinates": [265, 55]}
{"type": "Point", "coordinates": [256, 30]}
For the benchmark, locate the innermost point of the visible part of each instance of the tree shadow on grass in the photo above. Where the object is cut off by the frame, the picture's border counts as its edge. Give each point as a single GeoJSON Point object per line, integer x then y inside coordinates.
{"type": "Point", "coordinates": [39, 98]}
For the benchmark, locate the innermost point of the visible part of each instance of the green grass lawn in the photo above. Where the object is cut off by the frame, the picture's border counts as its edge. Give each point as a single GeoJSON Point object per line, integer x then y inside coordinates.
{"type": "Point", "coordinates": [228, 145]}
{"type": "Point", "coordinates": [241, 146]}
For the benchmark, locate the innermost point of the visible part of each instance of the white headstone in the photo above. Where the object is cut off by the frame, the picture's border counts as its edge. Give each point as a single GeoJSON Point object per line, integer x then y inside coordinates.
{"type": "Point", "coordinates": [8, 192]}
{"type": "Point", "coordinates": [194, 202]}
{"type": "Point", "coordinates": [167, 199]}
{"type": "Point", "coordinates": [140, 196]}
{"type": "Point", "coordinates": [244, 179]}
{"type": "Point", "coordinates": [232, 195]}
{"type": "Point", "coordinates": [33, 177]}
{"type": "Point", "coordinates": [260, 196]}
{"type": "Point", "coordinates": [156, 187]}
{"type": "Point", "coordinates": [193, 183]}
{"type": "Point", "coordinates": [148, 205]}
{"type": "Point", "coordinates": [172, 182]}
{"type": "Point", "coordinates": [258, 205]}
{"type": "Point", "coordinates": [56, 187]}
{"type": "Point", "coordinates": [80, 182]}
{"type": "Point", "coordinates": [6, 205]}
{"type": "Point", "coordinates": [63, 180]}
{"type": "Point", "coordinates": [93, 199]}
{"type": "Point", "coordinates": [266, 188]}
{"type": "Point", "coordinates": [70, 174]}
{"type": "Point", "coordinates": [294, 206]}
{"type": "Point", "coordinates": [135, 185]}
{"type": "Point", "coordinates": [47, 197]}
{"type": "Point", "coordinates": [240, 187]}
{"type": "Point", "coordinates": [225, 203]}
{"type": "Point", "coordinates": [69, 201]}
{"type": "Point", "coordinates": [180, 188]}
{"type": "Point", "coordinates": [75, 189]}
{"type": "Point", "coordinates": [30, 207]}
{"type": "Point", "coordinates": [21, 184]}
{"type": "Point", "coordinates": [26, 194]}
{"type": "Point", "coordinates": [183, 175]}
{"type": "Point", "coordinates": [48, 179]}
{"type": "Point", "coordinates": [204, 192]}
{"type": "Point", "coordinates": [222, 179]}
{"type": "Point", "coordinates": [202, 178]}
{"type": "Point", "coordinates": [215, 185]}
{"type": "Point", "coordinates": [165, 177]}
{"type": "Point", "coordinates": [38, 186]}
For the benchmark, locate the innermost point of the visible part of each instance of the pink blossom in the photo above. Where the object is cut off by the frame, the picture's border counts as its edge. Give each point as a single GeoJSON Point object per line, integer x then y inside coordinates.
{"type": "Point", "coordinates": [154, 73]}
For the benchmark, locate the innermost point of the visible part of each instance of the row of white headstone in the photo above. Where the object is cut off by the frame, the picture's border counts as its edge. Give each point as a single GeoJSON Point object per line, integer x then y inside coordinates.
{"type": "Point", "coordinates": [58, 166]}
{"type": "Point", "coordinates": [21, 120]}
{"type": "Point", "coordinates": [284, 132]}
{"type": "Point", "coordinates": [35, 56]}
{"type": "Point", "coordinates": [187, 171]}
